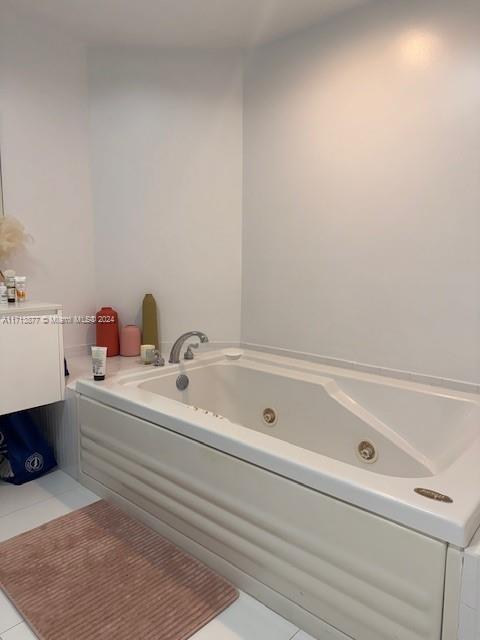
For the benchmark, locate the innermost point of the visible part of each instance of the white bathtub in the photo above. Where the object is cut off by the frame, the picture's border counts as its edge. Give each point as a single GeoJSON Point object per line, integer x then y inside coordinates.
{"type": "Point", "coordinates": [290, 511]}
{"type": "Point", "coordinates": [425, 437]}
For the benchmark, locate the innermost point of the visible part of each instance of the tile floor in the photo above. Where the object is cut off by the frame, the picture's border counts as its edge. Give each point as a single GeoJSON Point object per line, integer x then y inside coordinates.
{"type": "Point", "coordinates": [23, 508]}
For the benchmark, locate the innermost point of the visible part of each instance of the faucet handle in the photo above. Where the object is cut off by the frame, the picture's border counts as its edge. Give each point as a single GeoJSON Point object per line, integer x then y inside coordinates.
{"type": "Point", "coordinates": [189, 353]}
{"type": "Point", "coordinates": [158, 361]}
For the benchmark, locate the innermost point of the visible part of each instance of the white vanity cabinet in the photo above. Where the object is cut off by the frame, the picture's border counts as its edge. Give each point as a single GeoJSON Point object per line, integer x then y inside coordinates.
{"type": "Point", "coordinates": [31, 356]}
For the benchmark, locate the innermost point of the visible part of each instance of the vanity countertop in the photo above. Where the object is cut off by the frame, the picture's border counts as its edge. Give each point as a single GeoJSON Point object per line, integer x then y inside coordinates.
{"type": "Point", "coordinates": [80, 366]}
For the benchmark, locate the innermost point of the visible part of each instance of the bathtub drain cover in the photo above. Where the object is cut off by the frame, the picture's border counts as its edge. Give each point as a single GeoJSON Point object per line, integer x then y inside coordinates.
{"type": "Point", "coordinates": [270, 416]}
{"type": "Point", "coordinates": [182, 382]}
{"type": "Point", "coordinates": [367, 452]}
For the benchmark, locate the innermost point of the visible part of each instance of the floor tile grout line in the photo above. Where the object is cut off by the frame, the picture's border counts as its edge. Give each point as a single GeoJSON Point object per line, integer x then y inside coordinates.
{"type": "Point", "coordinates": [22, 619]}
{"type": "Point", "coordinates": [17, 624]}
{"type": "Point", "coordinates": [34, 504]}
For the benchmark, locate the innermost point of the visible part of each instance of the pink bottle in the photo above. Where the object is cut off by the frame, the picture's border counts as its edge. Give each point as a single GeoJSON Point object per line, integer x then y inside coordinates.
{"type": "Point", "coordinates": [130, 339]}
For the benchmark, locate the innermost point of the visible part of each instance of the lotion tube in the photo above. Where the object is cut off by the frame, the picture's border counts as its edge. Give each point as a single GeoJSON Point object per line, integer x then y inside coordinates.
{"type": "Point", "coordinates": [99, 362]}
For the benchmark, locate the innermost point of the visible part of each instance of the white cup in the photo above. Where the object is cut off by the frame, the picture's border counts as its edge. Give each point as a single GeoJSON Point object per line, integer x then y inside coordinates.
{"type": "Point", "coordinates": [147, 352]}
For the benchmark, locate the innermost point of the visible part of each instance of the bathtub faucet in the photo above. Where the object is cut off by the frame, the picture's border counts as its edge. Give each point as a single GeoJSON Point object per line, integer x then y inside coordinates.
{"type": "Point", "coordinates": [177, 347]}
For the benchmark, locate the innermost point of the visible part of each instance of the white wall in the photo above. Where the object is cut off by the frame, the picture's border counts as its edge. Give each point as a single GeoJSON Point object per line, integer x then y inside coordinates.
{"type": "Point", "coordinates": [362, 189]}
{"type": "Point", "coordinates": [44, 145]}
{"type": "Point", "coordinates": [361, 229]}
{"type": "Point", "coordinates": [166, 136]}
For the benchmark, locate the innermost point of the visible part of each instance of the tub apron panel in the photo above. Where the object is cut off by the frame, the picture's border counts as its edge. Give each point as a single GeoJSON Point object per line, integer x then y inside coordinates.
{"type": "Point", "coordinates": [368, 577]}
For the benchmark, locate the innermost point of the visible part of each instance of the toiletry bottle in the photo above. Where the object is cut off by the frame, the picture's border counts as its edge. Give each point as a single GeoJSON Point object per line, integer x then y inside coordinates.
{"type": "Point", "coordinates": [21, 288]}
{"type": "Point", "coordinates": [3, 293]}
{"type": "Point", "coordinates": [99, 363]}
{"type": "Point", "coordinates": [10, 283]}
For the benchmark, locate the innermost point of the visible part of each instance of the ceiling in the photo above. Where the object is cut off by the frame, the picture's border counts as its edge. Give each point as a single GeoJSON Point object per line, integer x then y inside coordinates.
{"type": "Point", "coordinates": [183, 23]}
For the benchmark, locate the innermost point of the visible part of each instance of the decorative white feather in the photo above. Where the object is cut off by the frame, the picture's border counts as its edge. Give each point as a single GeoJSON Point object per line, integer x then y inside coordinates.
{"type": "Point", "coordinates": [12, 236]}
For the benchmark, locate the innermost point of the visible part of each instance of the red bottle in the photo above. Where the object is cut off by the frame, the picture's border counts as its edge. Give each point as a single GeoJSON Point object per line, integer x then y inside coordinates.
{"type": "Point", "coordinates": [107, 331]}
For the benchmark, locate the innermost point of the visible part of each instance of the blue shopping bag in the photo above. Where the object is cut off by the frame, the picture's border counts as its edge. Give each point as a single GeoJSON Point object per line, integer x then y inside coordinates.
{"type": "Point", "coordinates": [24, 452]}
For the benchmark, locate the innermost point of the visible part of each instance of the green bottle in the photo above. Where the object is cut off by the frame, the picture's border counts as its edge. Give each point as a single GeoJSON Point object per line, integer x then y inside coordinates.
{"type": "Point", "coordinates": [149, 321]}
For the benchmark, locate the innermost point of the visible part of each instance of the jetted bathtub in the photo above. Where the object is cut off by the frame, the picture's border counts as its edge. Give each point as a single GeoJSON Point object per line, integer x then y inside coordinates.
{"type": "Point", "coordinates": [347, 495]}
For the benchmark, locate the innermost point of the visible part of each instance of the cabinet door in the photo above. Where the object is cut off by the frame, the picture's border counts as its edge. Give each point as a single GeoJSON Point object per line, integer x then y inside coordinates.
{"type": "Point", "coordinates": [31, 363]}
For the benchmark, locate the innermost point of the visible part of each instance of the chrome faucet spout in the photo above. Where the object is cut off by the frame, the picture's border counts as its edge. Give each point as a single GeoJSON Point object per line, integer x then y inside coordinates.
{"type": "Point", "coordinates": [177, 347]}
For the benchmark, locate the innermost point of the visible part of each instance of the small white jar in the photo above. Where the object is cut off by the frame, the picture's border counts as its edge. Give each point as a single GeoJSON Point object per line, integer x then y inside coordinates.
{"type": "Point", "coordinates": [21, 288]}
